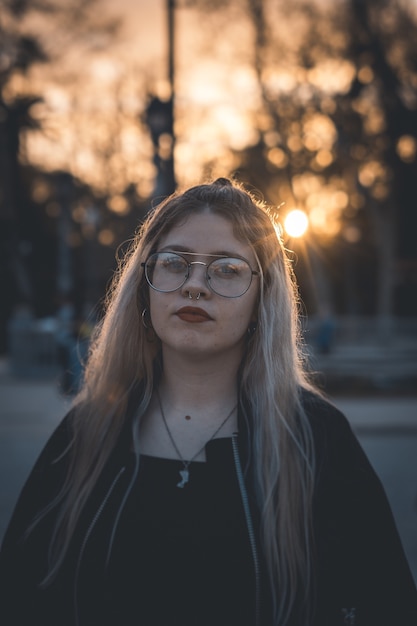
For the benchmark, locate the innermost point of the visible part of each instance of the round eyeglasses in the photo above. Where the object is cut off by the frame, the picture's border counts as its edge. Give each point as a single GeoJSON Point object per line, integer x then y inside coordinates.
{"type": "Point", "coordinates": [229, 277]}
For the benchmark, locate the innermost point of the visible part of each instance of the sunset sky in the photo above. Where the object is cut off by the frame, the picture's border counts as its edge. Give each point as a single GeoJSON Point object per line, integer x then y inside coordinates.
{"type": "Point", "coordinates": [97, 86]}
{"type": "Point", "coordinates": [96, 89]}
{"type": "Point", "coordinates": [314, 106]}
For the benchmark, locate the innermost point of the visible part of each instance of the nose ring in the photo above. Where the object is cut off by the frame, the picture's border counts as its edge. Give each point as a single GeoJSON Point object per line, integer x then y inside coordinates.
{"type": "Point", "coordinates": [190, 296]}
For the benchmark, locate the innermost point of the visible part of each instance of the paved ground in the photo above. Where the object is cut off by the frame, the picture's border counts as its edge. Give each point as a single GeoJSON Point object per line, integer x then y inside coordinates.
{"type": "Point", "coordinates": [387, 430]}
{"type": "Point", "coordinates": [386, 427]}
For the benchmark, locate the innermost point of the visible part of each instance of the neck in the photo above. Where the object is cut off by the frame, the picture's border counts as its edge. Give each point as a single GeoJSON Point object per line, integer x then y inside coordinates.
{"type": "Point", "coordinates": [193, 385]}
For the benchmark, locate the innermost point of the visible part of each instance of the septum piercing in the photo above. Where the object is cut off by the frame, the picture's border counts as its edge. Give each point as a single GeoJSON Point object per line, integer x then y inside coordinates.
{"type": "Point", "coordinates": [190, 297]}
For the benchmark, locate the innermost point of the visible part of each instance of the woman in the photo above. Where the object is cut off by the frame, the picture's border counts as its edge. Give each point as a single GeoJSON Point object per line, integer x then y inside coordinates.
{"type": "Point", "coordinates": [199, 480]}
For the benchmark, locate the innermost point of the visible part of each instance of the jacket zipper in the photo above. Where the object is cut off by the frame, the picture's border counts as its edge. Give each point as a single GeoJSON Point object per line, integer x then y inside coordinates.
{"type": "Point", "coordinates": [249, 525]}
{"type": "Point", "coordinates": [87, 537]}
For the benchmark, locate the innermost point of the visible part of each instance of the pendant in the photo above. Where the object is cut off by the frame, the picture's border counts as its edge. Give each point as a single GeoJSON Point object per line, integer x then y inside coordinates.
{"type": "Point", "coordinates": [184, 478]}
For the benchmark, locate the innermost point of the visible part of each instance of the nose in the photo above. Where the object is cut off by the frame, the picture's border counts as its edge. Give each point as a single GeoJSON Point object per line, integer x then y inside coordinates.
{"type": "Point", "coordinates": [196, 282]}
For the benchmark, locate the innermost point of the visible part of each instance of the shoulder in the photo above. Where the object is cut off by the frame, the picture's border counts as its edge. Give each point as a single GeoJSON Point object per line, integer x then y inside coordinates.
{"type": "Point", "coordinates": [317, 405]}
{"type": "Point", "coordinates": [361, 559]}
{"type": "Point", "coordinates": [58, 445]}
{"type": "Point", "coordinates": [325, 419]}
{"type": "Point", "coordinates": [337, 448]}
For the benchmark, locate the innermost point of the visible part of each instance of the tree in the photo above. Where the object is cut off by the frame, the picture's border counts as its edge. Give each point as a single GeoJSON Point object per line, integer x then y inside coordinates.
{"type": "Point", "coordinates": [337, 132]}
{"type": "Point", "coordinates": [20, 52]}
{"type": "Point", "coordinates": [381, 106]}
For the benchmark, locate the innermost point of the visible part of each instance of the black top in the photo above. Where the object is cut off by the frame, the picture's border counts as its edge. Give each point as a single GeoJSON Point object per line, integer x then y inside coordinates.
{"type": "Point", "coordinates": [181, 556]}
{"type": "Point", "coordinates": [178, 554]}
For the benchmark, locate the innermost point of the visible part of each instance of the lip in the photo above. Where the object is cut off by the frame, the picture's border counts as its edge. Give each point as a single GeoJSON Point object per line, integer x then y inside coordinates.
{"type": "Point", "coordinates": [193, 314]}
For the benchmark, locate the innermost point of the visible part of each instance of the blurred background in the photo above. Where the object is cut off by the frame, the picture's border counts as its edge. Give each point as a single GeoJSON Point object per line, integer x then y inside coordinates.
{"type": "Point", "coordinates": [106, 107]}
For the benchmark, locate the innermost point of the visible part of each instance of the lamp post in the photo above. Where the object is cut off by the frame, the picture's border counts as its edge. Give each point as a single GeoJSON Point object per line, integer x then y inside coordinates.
{"type": "Point", "coordinates": [160, 120]}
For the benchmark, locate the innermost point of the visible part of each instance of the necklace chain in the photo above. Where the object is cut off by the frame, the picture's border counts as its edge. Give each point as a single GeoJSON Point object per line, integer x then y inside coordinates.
{"type": "Point", "coordinates": [185, 473]}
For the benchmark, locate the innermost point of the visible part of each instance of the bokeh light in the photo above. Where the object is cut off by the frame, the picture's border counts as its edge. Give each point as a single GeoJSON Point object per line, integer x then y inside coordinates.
{"type": "Point", "coordinates": [407, 148]}
{"type": "Point", "coordinates": [296, 223]}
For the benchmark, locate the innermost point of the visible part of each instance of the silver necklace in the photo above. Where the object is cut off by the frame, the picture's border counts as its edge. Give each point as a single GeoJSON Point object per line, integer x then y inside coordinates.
{"type": "Point", "coordinates": [185, 472]}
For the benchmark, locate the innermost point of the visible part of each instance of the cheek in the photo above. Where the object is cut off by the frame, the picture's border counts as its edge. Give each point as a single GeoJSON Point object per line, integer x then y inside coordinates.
{"type": "Point", "coordinates": [243, 315]}
{"type": "Point", "coordinates": [251, 306]}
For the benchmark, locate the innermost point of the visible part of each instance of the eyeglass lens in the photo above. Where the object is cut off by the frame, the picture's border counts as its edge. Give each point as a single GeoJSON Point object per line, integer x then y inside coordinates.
{"type": "Point", "coordinates": [226, 276]}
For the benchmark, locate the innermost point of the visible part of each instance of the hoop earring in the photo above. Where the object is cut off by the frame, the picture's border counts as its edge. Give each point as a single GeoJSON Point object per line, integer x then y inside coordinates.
{"type": "Point", "coordinates": [150, 334]}
{"type": "Point", "coordinates": [143, 316]}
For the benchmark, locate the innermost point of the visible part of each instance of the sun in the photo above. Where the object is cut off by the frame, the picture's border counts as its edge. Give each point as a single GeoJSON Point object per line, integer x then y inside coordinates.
{"type": "Point", "coordinates": [296, 223]}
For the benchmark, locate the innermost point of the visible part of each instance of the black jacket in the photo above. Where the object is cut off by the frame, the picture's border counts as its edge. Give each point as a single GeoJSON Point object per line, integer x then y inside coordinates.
{"type": "Point", "coordinates": [362, 576]}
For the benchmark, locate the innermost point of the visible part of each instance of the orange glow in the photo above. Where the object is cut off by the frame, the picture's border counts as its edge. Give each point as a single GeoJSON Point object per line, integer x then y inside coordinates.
{"type": "Point", "coordinates": [318, 219]}
{"type": "Point", "coordinates": [79, 214]}
{"type": "Point", "coordinates": [326, 205]}
{"type": "Point", "coordinates": [118, 204]}
{"type": "Point", "coordinates": [105, 69]}
{"type": "Point", "coordinates": [352, 234]}
{"type": "Point", "coordinates": [145, 187]}
{"type": "Point", "coordinates": [340, 199]}
{"type": "Point", "coordinates": [40, 191]}
{"type": "Point", "coordinates": [306, 184]}
{"type": "Point", "coordinates": [95, 97]}
{"type": "Point", "coordinates": [106, 237]}
{"type": "Point", "coordinates": [296, 223]}
{"type": "Point", "coordinates": [407, 148]}
{"type": "Point", "coordinates": [324, 158]}
{"type": "Point", "coordinates": [294, 143]}
{"type": "Point", "coordinates": [277, 157]}
{"type": "Point", "coordinates": [369, 172]}
{"type": "Point", "coordinates": [357, 200]}
{"type": "Point", "coordinates": [374, 122]}
{"type": "Point", "coordinates": [365, 75]}
{"type": "Point", "coordinates": [320, 130]}
{"type": "Point", "coordinates": [332, 75]}
{"type": "Point", "coordinates": [380, 191]}
{"type": "Point", "coordinates": [272, 138]}
{"type": "Point", "coordinates": [325, 222]}
{"type": "Point", "coordinates": [280, 81]}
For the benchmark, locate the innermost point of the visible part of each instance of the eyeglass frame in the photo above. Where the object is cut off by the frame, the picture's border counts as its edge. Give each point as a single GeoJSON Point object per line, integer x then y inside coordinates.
{"type": "Point", "coordinates": [207, 265]}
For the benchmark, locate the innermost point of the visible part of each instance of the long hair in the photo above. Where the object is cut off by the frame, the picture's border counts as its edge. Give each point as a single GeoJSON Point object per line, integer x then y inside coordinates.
{"type": "Point", "coordinates": [271, 376]}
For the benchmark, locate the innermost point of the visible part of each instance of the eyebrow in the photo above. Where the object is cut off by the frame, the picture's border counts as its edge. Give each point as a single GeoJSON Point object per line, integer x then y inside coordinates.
{"type": "Point", "coordinates": [184, 250]}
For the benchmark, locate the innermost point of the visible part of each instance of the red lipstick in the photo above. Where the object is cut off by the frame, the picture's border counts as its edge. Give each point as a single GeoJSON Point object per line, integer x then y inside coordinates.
{"type": "Point", "coordinates": [193, 314]}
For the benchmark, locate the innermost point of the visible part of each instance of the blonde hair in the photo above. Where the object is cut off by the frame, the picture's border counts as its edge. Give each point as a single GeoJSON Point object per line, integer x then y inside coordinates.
{"type": "Point", "coordinates": [271, 377]}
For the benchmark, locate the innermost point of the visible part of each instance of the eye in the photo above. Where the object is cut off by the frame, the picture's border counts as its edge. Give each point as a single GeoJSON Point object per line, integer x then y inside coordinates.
{"type": "Point", "coordinates": [227, 268]}
{"type": "Point", "coordinates": [173, 263]}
